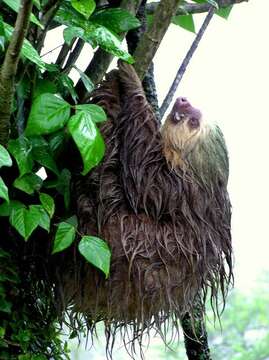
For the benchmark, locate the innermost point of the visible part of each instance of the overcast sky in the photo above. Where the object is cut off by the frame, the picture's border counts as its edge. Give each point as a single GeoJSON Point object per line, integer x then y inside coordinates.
{"type": "Point", "coordinates": [228, 79]}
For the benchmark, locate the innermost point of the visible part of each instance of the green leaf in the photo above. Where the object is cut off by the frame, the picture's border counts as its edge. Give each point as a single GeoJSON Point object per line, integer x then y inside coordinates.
{"type": "Point", "coordinates": [28, 183]}
{"type": "Point", "coordinates": [96, 252]}
{"type": "Point", "coordinates": [5, 306]}
{"type": "Point", "coordinates": [94, 34]}
{"type": "Point", "coordinates": [100, 35]}
{"type": "Point", "coordinates": [48, 113]}
{"type": "Point", "coordinates": [64, 237]}
{"type": "Point", "coordinates": [84, 7]}
{"type": "Point", "coordinates": [2, 35]}
{"type": "Point", "coordinates": [89, 85]}
{"type": "Point", "coordinates": [63, 186]}
{"type": "Point", "coordinates": [96, 112]}
{"type": "Point", "coordinates": [87, 138]}
{"type": "Point", "coordinates": [68, 83]}
{"type": "Point", "coordinates": [224, 12]}
{"type": "Point", "coordinates": [28, 51]}
{"type": "Point", "coordinates": [72, 32]}
{"type": "Point", "coordinates": [41, 153]}
{"type": "Point", "coordinates": [56, 141]}
{"type": "Point", "coordinates": [116, 19]}
{"type": "Point", "coordinates": [43, 86]}
{"type": "Point", "coordinates": [3, 190]}
{"type": "Point", "coordinates": [6, 208]}
{"type": "Point", "coordinates": [15, 5]}
{"type": "Point", "coordinates": [20, 149]}
{"type": "Point", "coordinates": [44, 219]}
{"type": "Point", "coordinates": [184, 21]}
{"type": "Point", "coordinates": [5, 159]}
{"type": "Point", "coordinates": [47, 203]}
{"type": "Point", "coordinates": [24, 221]}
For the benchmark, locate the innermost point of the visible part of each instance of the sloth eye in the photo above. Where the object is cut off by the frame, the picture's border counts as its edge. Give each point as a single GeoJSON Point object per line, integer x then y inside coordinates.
{"type": "Point", "coordinates": [194, 122]}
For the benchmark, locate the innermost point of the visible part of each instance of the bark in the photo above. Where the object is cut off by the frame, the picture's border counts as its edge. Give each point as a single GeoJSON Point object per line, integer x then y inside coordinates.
{"type": "Point", "coordinates": [195, 335]}
{"type": "Point", "coordinates": [194, 8]}
{"type": "Point", "coordinates": [9, 68]}
{"type": "Point", "coordinates": [152, 38]}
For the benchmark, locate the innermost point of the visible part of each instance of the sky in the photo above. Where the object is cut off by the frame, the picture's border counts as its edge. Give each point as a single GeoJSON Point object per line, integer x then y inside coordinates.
{"type": "Point", "coordinates": [228, 79]}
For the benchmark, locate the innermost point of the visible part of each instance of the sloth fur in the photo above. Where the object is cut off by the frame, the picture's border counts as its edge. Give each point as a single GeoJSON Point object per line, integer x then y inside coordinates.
{"type": "Point", "coordinates": [159, 199]}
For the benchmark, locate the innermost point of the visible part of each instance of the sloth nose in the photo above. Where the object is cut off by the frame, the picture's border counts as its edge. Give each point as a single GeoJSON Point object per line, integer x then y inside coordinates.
{"type": "Point", "coordinates": [182, 101]}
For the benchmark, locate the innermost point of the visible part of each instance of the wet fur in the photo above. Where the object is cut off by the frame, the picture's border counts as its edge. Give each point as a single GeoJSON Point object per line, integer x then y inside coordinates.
{"type": "Point", "coordinates": [161, 203]}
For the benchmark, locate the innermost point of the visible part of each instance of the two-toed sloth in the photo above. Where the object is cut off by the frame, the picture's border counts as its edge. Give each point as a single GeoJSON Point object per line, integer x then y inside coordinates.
{"type": "Point", "coordinates": [159, 199]}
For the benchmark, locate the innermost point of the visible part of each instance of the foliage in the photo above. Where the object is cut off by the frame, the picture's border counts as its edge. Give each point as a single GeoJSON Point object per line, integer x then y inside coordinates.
{"type": "Point", "coordinates": [48, 129]}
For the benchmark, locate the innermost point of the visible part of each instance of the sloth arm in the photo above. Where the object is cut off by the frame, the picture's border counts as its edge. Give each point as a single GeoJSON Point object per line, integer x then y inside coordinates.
{"type": "Point", "coordinates": [146, 178]}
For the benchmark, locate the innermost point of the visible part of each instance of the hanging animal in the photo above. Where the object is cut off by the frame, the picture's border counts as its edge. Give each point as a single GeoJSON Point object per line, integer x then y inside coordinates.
{"type": "Point", "coordinates": [159, 198]}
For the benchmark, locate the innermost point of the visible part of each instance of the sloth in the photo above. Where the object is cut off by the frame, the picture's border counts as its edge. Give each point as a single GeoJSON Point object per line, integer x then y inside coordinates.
{"type": "Point", "coordinates": [159, 198]}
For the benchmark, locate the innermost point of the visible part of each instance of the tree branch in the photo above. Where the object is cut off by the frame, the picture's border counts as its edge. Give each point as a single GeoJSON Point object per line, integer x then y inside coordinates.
{"type": "Point", "coordinates": [152, 38]}
{"type": "Point", "coordinates": [183, 66]}
{"type": "Point", "coordinates": [9, 68]}
{"type": "Point", "coordinates": [194, 8]}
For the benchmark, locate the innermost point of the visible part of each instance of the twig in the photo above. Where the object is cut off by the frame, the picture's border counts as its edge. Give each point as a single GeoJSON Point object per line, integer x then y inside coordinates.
{"type": "Point", "coordinates": [194, 8]}
{"type": "Point", "coordinates": [73, 55]}
{"type": "Point", "coordinates": [185, 62]}
{"type": "Point", "coordinates": [152, 38]}
{"type": "Point", "coordinates": [9, 68]}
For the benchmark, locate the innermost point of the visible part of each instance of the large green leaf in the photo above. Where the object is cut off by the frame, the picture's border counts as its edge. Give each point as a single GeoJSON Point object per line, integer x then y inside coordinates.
{"type": "Point", "coordinates": [224, 12]}
{"type": "Point", "coordinates": [68, 83]}
{"type": "Point", "coordinates": [84, 7]}
{"type": "Point", "coordinates": [96, 112]}
{"type": "Point", "coordinates": [42, 153]}
{"type": "Point", "coordinates": [100, 35]}
{"type": "Point", "coordinates": [184, 21]}
{"type": "Point", "coordinates": [72, 32]}
{"type": "Point", "coordinates": [25, 221]}
{"type": "Point", "coordinates": [47, 203]}
{"type": "Point", "coordinates": [64, 237]}
{"type": "Point", "coordinates": [94, 34]}
{"type": "Point", "coordinates": [89, 85]}
{"type": "Point", "coordinates": [28, 51]}
{"type": "Point", "coordinates": [7, 207]}
{"type": "Point", "coordinates": [48, 113]}
{"type": "Point", "coordinates": [20, 149]}
{"type": "Point", "coordinates": [3, 190]}
{"type": "Point", "coordinates": [44, 219]}
{"type": "Point", "coordinates": [5, 159]}
{"type": "Point", "coordinates": [28, 183]}
{"type": "Point", "coordinates": [43, 86]}
{"type": "Point", "coordinates": [87, 138]}
{"type": "Point", "coordinates": [96, 252]}
{"type": "Point", "coordinates": [116, 19]}
{"type": "Point", "coordinates": [15, 5]}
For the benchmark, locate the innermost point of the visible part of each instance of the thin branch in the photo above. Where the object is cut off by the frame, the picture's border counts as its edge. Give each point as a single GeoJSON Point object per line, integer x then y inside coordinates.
{"type": "Point", "coordinates": [183, 66]}
{"type": "Point", "coordinates": [9, 67]}
{"type": "Point", "coordinates": [152, 38]}
{"type": "Point", "coordinates": [74, 55]}
{"type": "Point", "coordinates": [194, 8]}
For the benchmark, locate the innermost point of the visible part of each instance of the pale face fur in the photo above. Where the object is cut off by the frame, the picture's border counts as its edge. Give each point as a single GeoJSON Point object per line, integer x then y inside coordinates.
{"type": "Point", "coordinates": [181, 132]}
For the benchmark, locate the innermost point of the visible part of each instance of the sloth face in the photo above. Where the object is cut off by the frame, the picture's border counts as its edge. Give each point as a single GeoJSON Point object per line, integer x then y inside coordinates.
{"type": "Point", "coordinates": [184, 112]}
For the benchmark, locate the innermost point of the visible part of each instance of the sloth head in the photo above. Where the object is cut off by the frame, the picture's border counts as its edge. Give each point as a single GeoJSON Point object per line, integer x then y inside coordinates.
{"type": "Point", "coordinates": [181, 132]}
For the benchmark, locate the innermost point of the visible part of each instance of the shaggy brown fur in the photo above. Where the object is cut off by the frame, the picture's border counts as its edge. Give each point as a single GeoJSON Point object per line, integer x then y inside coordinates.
{"type": "Point", "coordinates": [159, 199]}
